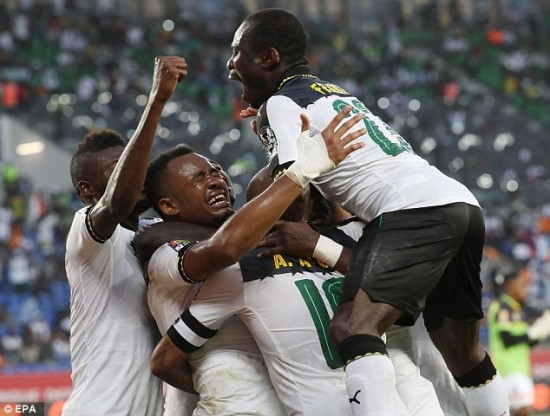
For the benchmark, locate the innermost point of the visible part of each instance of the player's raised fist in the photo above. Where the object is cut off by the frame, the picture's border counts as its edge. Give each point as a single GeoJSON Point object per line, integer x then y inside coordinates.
{"type": "Point", "coordinates": [169, 70]}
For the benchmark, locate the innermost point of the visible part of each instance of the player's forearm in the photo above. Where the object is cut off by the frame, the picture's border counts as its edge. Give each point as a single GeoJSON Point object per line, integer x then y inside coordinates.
{"type": "Point", "coordinates": [243, 231]}
{"type": "Point", "coordinates": [298, 239]}
{"type": "Point", "coordinates": [126, 182]}
{"type": "Point", "coordinates": [343, 261]}
{"type": "Point", "coordinates": [318, 154]}
{"type": "Point", "coordinates": [171, 365]}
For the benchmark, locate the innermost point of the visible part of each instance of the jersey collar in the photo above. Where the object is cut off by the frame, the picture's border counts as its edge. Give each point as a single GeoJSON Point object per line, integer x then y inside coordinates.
{"type": "Point", "coordinates": [294, 72]}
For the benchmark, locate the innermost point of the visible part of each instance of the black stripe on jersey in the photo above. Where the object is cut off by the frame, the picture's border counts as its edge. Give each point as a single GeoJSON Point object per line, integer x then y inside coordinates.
{"type": "Point", "coordinates": [306, 90]}
{"type": "Point", "coordinates": [197, 327]}
{"type": "Point", "coordinates": [88, 223]}
{"type": "Point", "coordinates": [182, 249]}
{"type": "Point", "coordinates": [279, 169]}
{"type": "Point", "coordinates": [348, 220]}
{"type": "Point", "coordinates": [180, 342]}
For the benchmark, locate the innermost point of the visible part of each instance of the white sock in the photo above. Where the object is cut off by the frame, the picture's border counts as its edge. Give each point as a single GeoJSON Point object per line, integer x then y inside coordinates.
{"type": "Point", "coordinates": [490, 399]}
{"type": "Point", "coordinates": [371, 386]}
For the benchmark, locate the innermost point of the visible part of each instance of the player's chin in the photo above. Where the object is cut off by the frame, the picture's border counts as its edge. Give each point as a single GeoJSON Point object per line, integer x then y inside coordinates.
{"type": "Point", "coordinates": [254, 99]}
{"type": "Point", "coordinates": [250, 98]}
{"type": "Point", "coordinates": [221, 215]}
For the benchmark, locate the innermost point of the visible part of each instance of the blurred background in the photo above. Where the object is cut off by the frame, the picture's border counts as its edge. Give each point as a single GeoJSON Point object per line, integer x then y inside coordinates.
{"type": "Point", "coordinates": [466, 82]}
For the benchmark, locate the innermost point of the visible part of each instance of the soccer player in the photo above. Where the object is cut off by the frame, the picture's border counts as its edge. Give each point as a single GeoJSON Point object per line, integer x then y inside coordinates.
{"type": "Point", "coordinates": [112, 333]}
{"type": "Point", "coordinates": [187, 187]}
{"type": "Point", "coordinates": [512, 334]}
{"type": "Point", "coordinates": [319, 237]}
{"type": "Point", "coordinates": [229, 373]}
{"type": "Point", "coordinates": [421, 250]}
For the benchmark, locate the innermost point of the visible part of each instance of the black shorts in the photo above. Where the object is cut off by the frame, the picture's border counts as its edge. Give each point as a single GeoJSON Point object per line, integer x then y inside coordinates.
{"type": "Point", "coordinates": [424, 259]}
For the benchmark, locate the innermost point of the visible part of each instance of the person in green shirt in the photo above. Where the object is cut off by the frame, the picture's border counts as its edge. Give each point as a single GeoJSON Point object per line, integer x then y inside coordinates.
{"type": "Point", "coordinates": [511, 335]}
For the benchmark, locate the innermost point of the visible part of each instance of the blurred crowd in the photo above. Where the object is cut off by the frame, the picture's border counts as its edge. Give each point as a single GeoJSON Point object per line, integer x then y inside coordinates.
{"type": "Point", "coordinates": [465, 82]}
{"type": "Point", "coordinates": [34, 293]}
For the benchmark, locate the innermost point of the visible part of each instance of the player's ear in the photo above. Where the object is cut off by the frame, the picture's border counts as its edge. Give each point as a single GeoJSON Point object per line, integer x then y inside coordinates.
{"type": "Point", "coordinates": [168, 207]}
{"type": "Point", "coordinates": [270, 58]}
{"type": "Point", "coordinates": [85, 189]}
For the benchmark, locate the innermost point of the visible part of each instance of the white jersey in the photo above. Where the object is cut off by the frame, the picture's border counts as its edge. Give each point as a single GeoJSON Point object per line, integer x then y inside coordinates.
{"type": "Point", "coordinates": [287, 304]}
{"type": "Point", "coordinates": [112, 333]}
{"type": "Point", "coordinates": [385, 175]}
{"type": "Point", "coordinates": [229, 373]}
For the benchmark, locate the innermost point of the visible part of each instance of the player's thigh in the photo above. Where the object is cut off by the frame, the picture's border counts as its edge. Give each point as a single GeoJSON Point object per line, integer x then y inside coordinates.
{"type": "Point", "coordinates": [401, 257]}
{"type": "Point", "coordinates": [457, 295]}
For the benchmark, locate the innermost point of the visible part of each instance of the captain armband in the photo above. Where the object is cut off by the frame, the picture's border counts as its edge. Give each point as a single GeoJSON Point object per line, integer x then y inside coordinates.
{"type": "Point", "coordinates": [327, 251]}
{"type": "Point", "coordinates": [181, 253]}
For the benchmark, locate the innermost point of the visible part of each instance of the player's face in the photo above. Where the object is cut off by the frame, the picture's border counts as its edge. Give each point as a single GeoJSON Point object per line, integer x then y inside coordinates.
{"type": "Point", "coordinates": [226, 178]}
{"type": "Point", "coordinates": [245, 66]}
{"type": "Point", "coordinates": [101, 169]}
{"type": "Point", "coordinates": [200, 193]}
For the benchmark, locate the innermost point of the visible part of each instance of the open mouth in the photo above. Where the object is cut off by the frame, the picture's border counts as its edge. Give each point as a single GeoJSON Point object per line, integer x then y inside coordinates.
{"type": "Point", "coordinates": [218, 201]}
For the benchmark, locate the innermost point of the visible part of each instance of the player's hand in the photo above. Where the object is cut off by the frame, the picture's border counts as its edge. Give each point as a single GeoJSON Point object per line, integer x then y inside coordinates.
{"type": "Point", "coordinates": [251, 112]}
{"type": "Point", "coordinates": [296, 239]}
{"type": "Point", "coordinates": [338, 145]}
{"type": "Point", "coordinates": [169, 70]}
{"type": "Point", "coordinates": [321, 153]}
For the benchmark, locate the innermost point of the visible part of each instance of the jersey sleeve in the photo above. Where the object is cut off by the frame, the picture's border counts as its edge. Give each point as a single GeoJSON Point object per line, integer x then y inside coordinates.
{"type": "Point", "coordinates": [283, 119]}
{"type": "Point", "coordinates": [166, 263]}
{"type": "Point", "coordinates": [219, 298]}
{"type": "Point", "coordinates": [82, 243]}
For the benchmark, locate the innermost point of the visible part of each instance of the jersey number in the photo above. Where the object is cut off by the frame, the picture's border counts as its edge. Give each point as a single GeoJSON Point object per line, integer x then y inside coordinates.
{"type": "Point", "coordinates": [388, 146]}
{"type": "Point", "coordinates": [332, 289]}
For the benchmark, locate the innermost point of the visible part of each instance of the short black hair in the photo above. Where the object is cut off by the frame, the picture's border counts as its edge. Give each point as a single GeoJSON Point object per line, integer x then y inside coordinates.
{"type": "Point", "coordinates": [158, 170]}
{"type": "Point", "coordinates": [279, 29]}
{"type": "Point", "coordinates": [509, 269]}
{"type": "Point", "coordinates": [93, 143]}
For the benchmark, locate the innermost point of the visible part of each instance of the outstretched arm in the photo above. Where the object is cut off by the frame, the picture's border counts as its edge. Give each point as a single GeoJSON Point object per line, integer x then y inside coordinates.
{"type": "Point", "coordinates": [171, 364]}
{"type": "Point", "coordinates": [126, 182]}
{"type": "Point", "coordinates": [245, 229]}
{"type": "Point", "coordinates": [298, 239]}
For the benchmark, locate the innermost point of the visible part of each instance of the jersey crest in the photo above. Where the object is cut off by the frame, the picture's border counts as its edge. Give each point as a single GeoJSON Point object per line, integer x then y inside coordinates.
{"type": "Point", "coordinates": [178, 245]}
{"type": "Point", "coordinates": [268, 140]}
